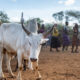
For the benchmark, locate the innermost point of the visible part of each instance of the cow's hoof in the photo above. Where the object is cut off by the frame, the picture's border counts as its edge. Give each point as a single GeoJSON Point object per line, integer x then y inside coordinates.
{"type": "Point", "coordinates": [2, 78]}
{"type": "Point", "coordinates": [38, 79]}
{"type": "Point", "coordinates": [16, 70]}
{"type": "Point", "coordinates": [13, 76]}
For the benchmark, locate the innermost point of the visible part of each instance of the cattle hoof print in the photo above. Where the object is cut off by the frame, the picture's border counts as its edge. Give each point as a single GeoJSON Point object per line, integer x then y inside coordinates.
{"type": "Point", "coordinates": [38, 79]}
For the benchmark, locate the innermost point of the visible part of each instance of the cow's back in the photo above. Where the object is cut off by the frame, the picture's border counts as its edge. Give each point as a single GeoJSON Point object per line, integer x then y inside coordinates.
{"type": "Point", "coordinates": [10, 33]}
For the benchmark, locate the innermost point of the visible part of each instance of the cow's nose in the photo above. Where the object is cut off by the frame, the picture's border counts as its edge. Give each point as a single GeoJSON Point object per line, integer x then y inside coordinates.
{"type": "Point", "coordinates": [33, 59]}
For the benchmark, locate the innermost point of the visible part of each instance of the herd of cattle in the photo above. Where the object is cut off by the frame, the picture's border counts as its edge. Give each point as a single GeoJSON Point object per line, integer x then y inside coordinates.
{"type": "Point", "coordinates": [15, 39]}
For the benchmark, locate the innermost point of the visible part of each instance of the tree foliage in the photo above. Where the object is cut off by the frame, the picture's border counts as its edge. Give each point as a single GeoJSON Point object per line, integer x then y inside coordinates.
{"type": "Point", "coordinates": [58, 16]}
{"type": "Point", "coordinates": [39, 20]}
{"type": "Point", "coordinates": [74, 15]}
{"type": "Point", "coordinates": [4, 17]}
{"type": "Point", "coordinates": [70, 15]}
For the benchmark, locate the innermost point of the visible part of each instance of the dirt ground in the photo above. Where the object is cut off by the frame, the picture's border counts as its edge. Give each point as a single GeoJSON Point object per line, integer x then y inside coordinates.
{"type": "Point", "coordinates": [53, 66]}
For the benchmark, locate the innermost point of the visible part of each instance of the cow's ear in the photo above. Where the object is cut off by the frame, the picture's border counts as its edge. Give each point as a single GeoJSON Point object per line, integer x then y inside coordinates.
{"type": "Point", "coordinates": [44, 40]}
{"type": "Point", "coordinates": [30, 41]}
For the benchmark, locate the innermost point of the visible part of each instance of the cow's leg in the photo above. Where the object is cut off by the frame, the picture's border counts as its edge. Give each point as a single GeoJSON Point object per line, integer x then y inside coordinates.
{"type": "Point", "coordinates": [16, 64]}
{"type": "Point", "coordinates": [24, 64]}
{"type": "Point", "coordinates": [8, 59]}
{"type": "Point", "coordinates": [1, 72]}
{"type": "Point", "coordinates": [19, 56]}
{"type": "Point", "coordinates": [35, 68]}
{"type": "Point", "coordinates": [30, 65]}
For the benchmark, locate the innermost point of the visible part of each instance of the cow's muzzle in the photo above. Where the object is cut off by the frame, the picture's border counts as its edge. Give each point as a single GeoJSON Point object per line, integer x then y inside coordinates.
{"type": "Point", "coordinates": [33, 60]}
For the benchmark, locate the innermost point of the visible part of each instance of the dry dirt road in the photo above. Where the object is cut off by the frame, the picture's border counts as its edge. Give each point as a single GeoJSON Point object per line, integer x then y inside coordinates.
{"type": "Point", "coordinates": [53, 66]}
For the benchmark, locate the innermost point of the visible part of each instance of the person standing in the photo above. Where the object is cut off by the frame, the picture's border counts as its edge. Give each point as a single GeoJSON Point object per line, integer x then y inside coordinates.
{"type": "Point", "coordinates": [38, 27]}
{"type": "Point", "coordinates": [55, 43]}
{"type": "Point", "coordinates": [79, 34]}
{"type": "Point", "coordinates": [75, 39]}
{"type": "Point", "coordinates": [65, 37]}
{"type": "Point", "coordinates": [0, 22]}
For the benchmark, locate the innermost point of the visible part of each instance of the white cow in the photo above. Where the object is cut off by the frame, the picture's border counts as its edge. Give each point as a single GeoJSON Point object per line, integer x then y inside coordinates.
{"type": "Point", "coordinates": [15, 39]}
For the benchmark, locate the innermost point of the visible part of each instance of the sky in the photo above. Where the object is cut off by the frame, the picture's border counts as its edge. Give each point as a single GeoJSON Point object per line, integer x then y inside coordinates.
{"type": "Point", "coordinates": [36, 8]}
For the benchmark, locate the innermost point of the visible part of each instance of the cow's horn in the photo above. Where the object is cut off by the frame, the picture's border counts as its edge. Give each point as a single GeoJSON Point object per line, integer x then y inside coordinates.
{"type": "Point", "coordinates": [26, 30]}
{"type": "Point", "coordinates": [48, 32]}
{"type": "Point", "coordinates": [22, 23]}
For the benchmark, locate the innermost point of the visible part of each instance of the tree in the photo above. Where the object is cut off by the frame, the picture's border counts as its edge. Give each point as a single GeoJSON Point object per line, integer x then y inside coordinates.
{"type": "Point", "coordinates": [59, 16]}
{"type": "Point", "coordinates": [4, 17]}
{"type": "Point", "coordinates": [55, 16]}
{"type": "Point", "coordinates": [74, 15]}
{"type": "Point", "coordinates": [39, 20]}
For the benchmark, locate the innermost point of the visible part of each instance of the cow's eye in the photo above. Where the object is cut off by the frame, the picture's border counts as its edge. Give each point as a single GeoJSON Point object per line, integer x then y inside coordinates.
{"type": "Point", "coordinates": [41, 44]}
{"type": "Point", "coordinates": [29, 43]}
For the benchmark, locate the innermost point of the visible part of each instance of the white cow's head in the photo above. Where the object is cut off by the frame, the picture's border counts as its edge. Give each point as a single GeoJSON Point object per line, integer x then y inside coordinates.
{"type": "Point", "coordinates": [35, 41]}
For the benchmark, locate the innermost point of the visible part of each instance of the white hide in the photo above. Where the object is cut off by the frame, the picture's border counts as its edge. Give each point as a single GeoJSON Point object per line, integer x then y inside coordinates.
{"type": "Point", "coordinates": [32, 26]}
{"type": "Point", "coordinates": [14, 39]}
{"type": "Point", "coordinates": [35, 42]}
